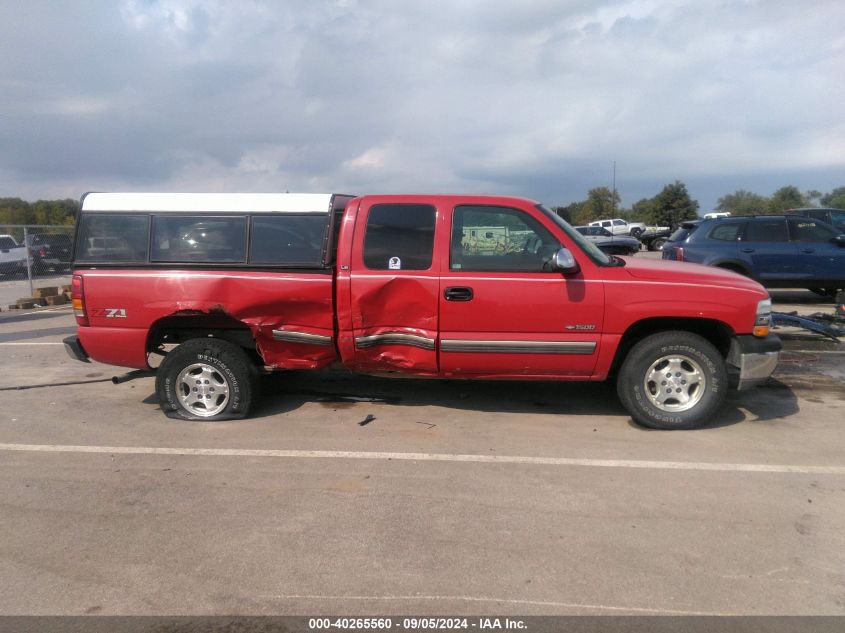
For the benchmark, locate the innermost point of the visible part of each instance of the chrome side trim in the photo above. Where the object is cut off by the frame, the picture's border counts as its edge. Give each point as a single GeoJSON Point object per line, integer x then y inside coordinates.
{"type": "Point", "coordinates": [518, 347]}
{"type": "Point", "coordinates": [394, 338]}
{"type": "Point", "coordinates": [290, 336]}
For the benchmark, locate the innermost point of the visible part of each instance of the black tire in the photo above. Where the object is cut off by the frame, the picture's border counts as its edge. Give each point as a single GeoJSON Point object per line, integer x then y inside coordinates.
{"type": "Point", "coordinates": [636, 232]}
{"type": "Point", "coordinates": [226, 381]}
{"type": "Point", "coordinates": [683, 351]}
{"type": "Point", "coordinates": [657, 244]}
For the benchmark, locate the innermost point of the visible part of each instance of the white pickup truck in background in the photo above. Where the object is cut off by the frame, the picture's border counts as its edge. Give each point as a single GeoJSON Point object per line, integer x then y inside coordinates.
{"type": "Point", "coordinates": [618, 226]}
{"type": "Point", "coordinates": [12, 255]}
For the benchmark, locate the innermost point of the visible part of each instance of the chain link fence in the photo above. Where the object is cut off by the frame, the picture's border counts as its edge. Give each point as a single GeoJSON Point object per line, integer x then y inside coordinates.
{"type": "Point", "coordinates": [34, 260]}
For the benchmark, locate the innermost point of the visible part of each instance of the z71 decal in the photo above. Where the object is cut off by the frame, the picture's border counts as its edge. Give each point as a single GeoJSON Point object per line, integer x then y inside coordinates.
{"type": "Point", "coordinates": [109, 313]}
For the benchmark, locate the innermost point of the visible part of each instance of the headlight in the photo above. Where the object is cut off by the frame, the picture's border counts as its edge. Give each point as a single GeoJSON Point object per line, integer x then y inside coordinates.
{"type": "Point", "coordinates": [763, 320]}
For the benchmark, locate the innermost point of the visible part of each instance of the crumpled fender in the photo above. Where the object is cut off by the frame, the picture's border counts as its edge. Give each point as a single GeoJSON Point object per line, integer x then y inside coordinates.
{"type": "Point", "coordinates": [266, 302]}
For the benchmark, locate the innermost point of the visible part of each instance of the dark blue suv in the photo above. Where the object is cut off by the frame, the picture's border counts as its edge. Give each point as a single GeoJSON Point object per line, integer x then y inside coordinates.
{"type": "Point", "coordinates": [778, 251]}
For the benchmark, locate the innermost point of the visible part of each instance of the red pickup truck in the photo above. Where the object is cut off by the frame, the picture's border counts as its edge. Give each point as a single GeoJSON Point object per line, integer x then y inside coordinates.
{"type": "Point", "coordinates": [224, 287]}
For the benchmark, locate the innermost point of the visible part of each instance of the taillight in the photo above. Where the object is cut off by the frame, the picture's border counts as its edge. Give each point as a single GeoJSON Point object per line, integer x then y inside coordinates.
{"type": "Point", "coordinates": [679, 253]}
{"type": "Point", "coordinates": [77, 297]}
{"type": "Point", "coordinates": [42, 252]}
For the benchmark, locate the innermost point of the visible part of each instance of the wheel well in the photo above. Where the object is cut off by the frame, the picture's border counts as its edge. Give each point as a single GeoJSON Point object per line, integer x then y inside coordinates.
{"type": "Point", "coordinates": [716, 332]}
{"type": "Point", "coordinates": [737, 268]}
{"type": "Point", "coordinates": [176, 329]}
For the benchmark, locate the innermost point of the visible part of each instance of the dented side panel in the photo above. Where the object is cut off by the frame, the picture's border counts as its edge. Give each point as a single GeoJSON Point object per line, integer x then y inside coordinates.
{"type": "Point", "coordinates": [343, 292]}
{"type": "Point", "coordinates": [410, 345]}
{"type": "Point", "coordinates": [290, 315]}
{"type": "Point", "coordinates": [392, 318]}
{"type": "Point", "coordinates": [394, 323]}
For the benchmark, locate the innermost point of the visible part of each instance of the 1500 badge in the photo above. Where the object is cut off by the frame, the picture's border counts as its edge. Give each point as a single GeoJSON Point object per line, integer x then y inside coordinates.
{"type": "Point", "coordinates": [109, 313]}
{"type": "Point", "coordinates": [580, 327]}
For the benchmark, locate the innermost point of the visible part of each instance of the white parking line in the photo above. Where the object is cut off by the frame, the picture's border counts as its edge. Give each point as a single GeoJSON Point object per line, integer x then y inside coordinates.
{"type": "Point", "coordinates": [430, 457]}
{"type": "Point", "coordinates": [483, 599]}
{"type": "Point", "coordinates": [812, 351]}
{"type": "Point", "coordinates": [29, 311]}
{"type": "Point", "coordinates": [34, 343]}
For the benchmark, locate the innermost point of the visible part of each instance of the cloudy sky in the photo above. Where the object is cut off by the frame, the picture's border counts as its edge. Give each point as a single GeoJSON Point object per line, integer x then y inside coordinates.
{"type": "Point", "coordinates": [533, 98]}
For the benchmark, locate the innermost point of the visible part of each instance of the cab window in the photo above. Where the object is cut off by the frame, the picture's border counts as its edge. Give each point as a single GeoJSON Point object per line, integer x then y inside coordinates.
{"type": "Point", "coordinates": [499, 239]}
{"type": "Point", "coordinates": [399, 237]}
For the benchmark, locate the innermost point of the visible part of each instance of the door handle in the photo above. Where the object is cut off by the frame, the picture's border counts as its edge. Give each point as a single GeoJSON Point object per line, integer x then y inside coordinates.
{"type": "Point", "coordinates": [747, 250]}
{"type": "Point", "coordinates": [808, 250]}
{"type": "Point", "coordinates": [458, 293]}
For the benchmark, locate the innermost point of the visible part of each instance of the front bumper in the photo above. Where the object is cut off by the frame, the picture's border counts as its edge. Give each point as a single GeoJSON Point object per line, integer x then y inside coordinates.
{"type": "Point", "coordinates": [75, 350]}
{"type": "Point", "coordinates": [752, 360]}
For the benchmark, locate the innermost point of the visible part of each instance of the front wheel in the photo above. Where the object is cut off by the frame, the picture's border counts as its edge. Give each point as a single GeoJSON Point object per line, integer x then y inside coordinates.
{"type": "Point", "coordinates": [206, 379]}
{"type": "Point", "coordinates": [672, 380]}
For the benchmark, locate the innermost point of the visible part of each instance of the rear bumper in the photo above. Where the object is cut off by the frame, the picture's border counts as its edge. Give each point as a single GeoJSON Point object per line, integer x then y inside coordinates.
{"type": "Point", "coordinates": [75, 350]}
{"type": "Point", "coordinates": [752, 360]}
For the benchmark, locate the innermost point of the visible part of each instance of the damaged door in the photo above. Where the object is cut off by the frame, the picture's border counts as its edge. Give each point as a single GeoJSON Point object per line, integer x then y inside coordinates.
{"type": "Point", "coordinates": [395, 288]}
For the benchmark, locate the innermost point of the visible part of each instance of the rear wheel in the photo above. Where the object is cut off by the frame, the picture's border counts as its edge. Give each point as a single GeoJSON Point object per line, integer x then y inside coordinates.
{"type": "Point", "coordinates": [206, 379]}
{"type": "Point", "coordinates": [657, 244]}
{"type": "Point", "coordinates": [672, 380]}
{"type": "Point", "coordinates": [636, 232]}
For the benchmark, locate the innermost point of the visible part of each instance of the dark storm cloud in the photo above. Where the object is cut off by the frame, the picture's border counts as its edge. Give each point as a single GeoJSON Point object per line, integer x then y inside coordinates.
{"type": "Point", "coordinates": [536, 98]}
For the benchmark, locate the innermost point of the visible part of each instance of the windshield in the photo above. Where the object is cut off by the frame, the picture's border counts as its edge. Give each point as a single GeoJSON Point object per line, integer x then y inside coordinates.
{"type": "Point", "coordinates": [837, 218]}
{"type": "Point", "coordinates": [591, 250]}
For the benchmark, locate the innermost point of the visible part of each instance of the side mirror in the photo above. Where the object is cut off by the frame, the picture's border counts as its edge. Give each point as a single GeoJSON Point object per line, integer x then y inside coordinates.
{"type": "Point", "coordinates": [564, 262]}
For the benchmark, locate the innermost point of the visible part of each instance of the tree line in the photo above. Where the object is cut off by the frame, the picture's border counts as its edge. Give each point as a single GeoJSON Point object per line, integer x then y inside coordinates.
{"type": "Point", "coordinates": [44, 212]}
{"type": "Point", "coordinates": [747, 203]}
{"type": "Point", "coordinates": [673, 204]}
{"type": "Point", "coordinates": [669, 207]}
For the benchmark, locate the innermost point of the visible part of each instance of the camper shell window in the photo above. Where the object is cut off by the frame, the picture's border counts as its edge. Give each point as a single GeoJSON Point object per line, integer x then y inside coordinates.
{"type": "Point", "coordinates": [287, 239]}
{"type": "Point", "coordinates": [198, 239]}
{"type": "Point", "coordinates": [234, 230]}
{"type": "Point", "coordinates": [116, 238]}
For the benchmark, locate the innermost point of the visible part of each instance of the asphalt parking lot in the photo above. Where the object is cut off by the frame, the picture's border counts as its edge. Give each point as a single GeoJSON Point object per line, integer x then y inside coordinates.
{"type": "Point", "coordinates": [351, 495]}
